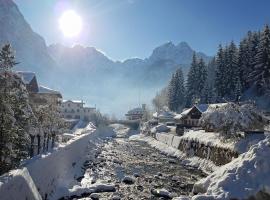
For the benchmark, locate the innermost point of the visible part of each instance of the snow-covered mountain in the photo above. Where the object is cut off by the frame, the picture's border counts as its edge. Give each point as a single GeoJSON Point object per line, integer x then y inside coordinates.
{"type": "Point", "coordinates": [31, 51]}
{"type": "Point", "coordinates": [160, 64]}
{"type": "Point", "coordinates": [87, 73]}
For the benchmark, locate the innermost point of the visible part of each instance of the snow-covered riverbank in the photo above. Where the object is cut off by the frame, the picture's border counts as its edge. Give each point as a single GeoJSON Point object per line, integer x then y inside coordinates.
{"type": "Point", "coordinates": [54, 171]}
{"type": "Point", "coordinates": [243, 178]}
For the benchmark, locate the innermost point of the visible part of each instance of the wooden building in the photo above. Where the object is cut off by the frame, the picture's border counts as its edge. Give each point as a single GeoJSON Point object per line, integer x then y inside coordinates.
{"type": "Point", "coordinates": [191, 117]}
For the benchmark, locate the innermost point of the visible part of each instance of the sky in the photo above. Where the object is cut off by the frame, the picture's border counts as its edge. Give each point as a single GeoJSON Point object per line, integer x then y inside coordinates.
{"type": "Point", "coordinates": [133, 28]}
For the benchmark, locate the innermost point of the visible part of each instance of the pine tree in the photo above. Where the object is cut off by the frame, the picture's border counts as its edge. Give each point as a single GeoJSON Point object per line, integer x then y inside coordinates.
{"type": "Point", "coordinates": [179, 89]}
{"type": "Point", "coordinates": [15, 113]}
{"type": "Point", "coordinates": [220, 84]}
{"type": "Point", "coordinates": [201, 77]}
{"type": "Point", "coordinates": [172, 93]}
{"type": "Point", "coordinates": [191, 90]}
{"type": "Point", "coordinates": [7, 58]}
{"type": "Point", "coordinates": [232, 70]}
{"type": "Point", "coordinates": [261, 74]}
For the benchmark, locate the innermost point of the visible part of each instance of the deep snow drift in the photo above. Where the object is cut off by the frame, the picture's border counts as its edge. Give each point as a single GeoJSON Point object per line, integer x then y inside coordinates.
{"type": "Point", "coordinates": [242, 178]}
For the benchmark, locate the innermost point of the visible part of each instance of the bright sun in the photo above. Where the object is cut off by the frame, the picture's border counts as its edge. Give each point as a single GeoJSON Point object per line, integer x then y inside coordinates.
{"type": "Point", "coordinates": [70, 23]}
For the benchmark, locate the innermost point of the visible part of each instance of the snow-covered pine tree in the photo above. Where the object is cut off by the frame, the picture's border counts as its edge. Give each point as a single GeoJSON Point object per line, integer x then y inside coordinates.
{"type": "Point", "coordinates": [7, 129]}
{"type": "Point", "coordinates": [25, 118]}
{"type": "Point", "coordinates": [220, 78]}
{"type": "Point", "coordinates": [7, 57]}
{"type": "Point", "coordinates": [232, 71]}
{"type": "Point", "coordinates": [202, 77]}
{"type": "Point", "coordinates": [15, 113]}
{"type": "Point", "coordinates": [261, 73]}
{"type": "Point", "coordinates": [246, 60]}
{"type": "Point", "coordinates": [237, 90]}
{"type": "Point", "coordinates": [191, 90]}
{"type": "Point", "coordinates": [179, 89]}
{"type": "Point", "coordinates": [172, 102]}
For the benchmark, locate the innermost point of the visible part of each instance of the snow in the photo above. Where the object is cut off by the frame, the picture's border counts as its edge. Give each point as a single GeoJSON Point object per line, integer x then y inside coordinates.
{"type": "Point", "coordinates": [163, 114]}
{"type": "Point", "coordinates": [240, 179]}
{"type": "Point", "coordinates": [231, 118]}
{"type": "Point", "coordinates": [184, 113]}
{"type": "Point", "coordinates": [56, 170]}
{"type": "Point", "coordinates": [95, 188]}
{"type": "Point", "coordinates": [46, 90]}
{"type": "Point", "coordinates": [73, 101]}
{"type": "Point", "coordinates": [202, 107]}
{"type": "Point", "coordinates": [160, 128]}
{"type": "Point", "coordinates": [206, 165]}
{"type": "Point", "coordinates": [216, 139]}
{"type": "Point", "coordinates": [17, 184]}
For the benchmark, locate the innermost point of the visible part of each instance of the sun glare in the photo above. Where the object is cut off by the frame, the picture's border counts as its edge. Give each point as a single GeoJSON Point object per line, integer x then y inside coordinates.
{"type": "Point", "coordinates": [70, 23]}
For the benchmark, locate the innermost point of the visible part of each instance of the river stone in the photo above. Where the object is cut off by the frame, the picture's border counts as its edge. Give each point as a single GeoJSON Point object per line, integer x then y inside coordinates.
{"type": "Point", "coordinates": [136, 175]}
{"type": "Point", "coordinates": [161, 193]}
{"type": "Point", "coordinates": [116, 198]}
{"type": "Point", "coordinates": [175, 178]}
{"type": "Point", "coordinates": [94, 196]}
{"type": "Point", "coordinates": [128, 180]}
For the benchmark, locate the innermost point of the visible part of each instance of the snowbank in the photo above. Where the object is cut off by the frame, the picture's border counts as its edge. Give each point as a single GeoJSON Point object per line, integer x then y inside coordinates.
{"type": "Point", "coordinates": [57, 170]}
{"type": "Point", "coordinates": [18, 184]}
{"type": "Point", "coordinates": [246, 176]}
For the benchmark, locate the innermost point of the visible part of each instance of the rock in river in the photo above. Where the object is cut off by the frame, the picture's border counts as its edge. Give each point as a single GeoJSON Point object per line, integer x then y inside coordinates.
{"type": "Point", "coordinates": [128, 180]}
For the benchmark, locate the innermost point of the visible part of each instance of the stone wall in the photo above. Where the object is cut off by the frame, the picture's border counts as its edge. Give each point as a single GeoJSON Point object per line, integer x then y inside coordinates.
{"type": "Point", "coordinates": [218, 155]}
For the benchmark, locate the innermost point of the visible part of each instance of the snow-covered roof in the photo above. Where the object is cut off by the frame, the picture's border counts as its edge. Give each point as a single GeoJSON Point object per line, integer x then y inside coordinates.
{"type": "Point", "coordinates": [217, 105]}
{"type": "Point", "coordinates": [136, 111]}
{"type": "Point", "coordinates": [27, 77]}
{"type": "Point", "coordinates": [163, 114]}
{"type": "Point", "coordinates": [73, 101]}
{"type": "Point", "coordinates": [184, 113]}
{"type": "Point", "coordinates": [46, 90]}
{"type": "Point", "coordinates": [201, 107]}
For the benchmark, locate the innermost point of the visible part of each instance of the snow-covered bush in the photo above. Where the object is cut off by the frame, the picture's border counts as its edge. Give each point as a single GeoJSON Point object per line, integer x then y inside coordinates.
{"type": "Point", "coordinates": [231, 118]}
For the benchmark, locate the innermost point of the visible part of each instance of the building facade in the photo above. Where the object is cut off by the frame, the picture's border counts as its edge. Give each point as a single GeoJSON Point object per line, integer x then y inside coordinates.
{"type": "Point", "coordinates": [38, 94]}
{"type": "Point", "coordinates": [73, 109]}
{"type": "Point", "coordinates": [136, 113]}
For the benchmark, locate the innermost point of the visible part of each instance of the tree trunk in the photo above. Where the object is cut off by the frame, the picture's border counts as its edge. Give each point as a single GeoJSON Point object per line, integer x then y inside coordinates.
{"type": "Point", "coordinates": [32, 137]}
{"type": "Point", "coordinates": [44, 142]}
{"type": "Point", "coordinates": [38, 150]}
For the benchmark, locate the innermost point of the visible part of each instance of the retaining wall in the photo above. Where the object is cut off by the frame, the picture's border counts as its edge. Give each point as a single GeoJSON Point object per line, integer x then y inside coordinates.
{"type": "Point", "coordinates": [218, 155]}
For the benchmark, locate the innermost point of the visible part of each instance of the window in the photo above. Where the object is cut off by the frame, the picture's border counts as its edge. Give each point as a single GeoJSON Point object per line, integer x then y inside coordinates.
{"type": "Point", "coordinates": [65, 110]}
{"type": "Point", "coordinates": [78, 110]}
{"type": "Point", "coordinates": [68, 105]}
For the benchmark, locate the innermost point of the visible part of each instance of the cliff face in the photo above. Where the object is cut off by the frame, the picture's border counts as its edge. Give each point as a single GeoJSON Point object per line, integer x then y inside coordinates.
{"type": "Point", "coordinates": [30, 48]}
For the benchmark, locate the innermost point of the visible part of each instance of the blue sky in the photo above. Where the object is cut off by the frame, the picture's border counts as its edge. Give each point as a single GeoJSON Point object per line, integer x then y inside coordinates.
{"type": "Point", "coordinates": [133, 28]}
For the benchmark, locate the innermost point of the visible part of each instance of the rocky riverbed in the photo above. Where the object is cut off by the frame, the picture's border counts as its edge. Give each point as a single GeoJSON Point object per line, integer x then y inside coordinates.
{"type": "Point", "coordinates": [135, 170]}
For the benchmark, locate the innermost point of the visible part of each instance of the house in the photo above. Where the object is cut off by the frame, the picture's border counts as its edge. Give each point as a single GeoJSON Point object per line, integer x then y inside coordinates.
{"type": "Point", "coordinates": [191, 117]}
{"type": "Point", "coordinates": [136, 113]}
{"type": "Point", "coordinates": [30, 80]}
{"type": "Point", "coordinates": [38, 94]}
{"type": "Point", "coordinates": [74, 109]}
{"type": "Point", "coordinates": [164, 116]}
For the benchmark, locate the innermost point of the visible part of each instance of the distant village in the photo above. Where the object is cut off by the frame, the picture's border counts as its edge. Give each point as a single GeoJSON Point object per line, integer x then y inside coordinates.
{"type": "Point", "coordinates": [71, 110]}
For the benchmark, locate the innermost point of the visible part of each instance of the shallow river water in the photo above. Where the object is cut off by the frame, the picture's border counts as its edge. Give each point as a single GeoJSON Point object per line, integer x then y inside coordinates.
{"type": "Point", "coordinates": [150, 171]}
